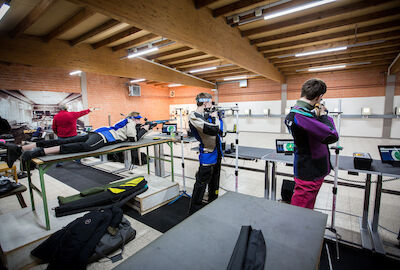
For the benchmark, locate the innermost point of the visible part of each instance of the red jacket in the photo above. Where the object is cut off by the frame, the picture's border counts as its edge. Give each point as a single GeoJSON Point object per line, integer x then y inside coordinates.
{"type": "Point", "coordinates": [64, 123]}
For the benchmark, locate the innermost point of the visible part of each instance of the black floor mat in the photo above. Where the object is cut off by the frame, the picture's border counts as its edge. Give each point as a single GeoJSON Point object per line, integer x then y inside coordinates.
{"type": "Point", "coordinates": [81, 177]}
{"type": "Point", "coordinates": [351, 258]}
{"type": "Point", "coordinates": [163, 218]}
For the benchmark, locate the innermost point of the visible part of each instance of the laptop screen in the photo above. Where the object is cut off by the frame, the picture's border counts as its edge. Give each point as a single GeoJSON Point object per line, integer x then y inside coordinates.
{"type": "Point", "coordinates": [389, 153]}
{"type": "Point", "coordinates": [168, 128]}
{"type": "Point", "coordinates": [284, 146]}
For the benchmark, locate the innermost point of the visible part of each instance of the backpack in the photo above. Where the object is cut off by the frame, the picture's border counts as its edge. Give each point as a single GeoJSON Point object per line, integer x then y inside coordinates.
{"type": "Point", "coordinates": [112, 241]}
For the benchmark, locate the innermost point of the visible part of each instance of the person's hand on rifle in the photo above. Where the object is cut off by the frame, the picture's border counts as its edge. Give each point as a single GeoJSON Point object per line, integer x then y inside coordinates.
{"type": "Point", "coordinates": [146, 127]}
{"type": "Point", "coordinates": [214, 114]}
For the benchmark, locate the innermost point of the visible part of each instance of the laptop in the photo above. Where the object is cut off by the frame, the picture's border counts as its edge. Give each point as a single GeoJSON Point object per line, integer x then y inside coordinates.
{"type": "Point", "coordinates": [285, 146]}
{"type": "Point", "coordinates": [390, 154]}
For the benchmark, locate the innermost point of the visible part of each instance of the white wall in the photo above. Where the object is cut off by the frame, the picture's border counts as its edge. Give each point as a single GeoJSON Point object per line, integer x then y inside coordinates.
{"type": "Point", "coordinates": [14, 109]}
{"type": "Point", "coordinates": [395, 132]}
{"type": "Point", "coordinates": [358, 127]}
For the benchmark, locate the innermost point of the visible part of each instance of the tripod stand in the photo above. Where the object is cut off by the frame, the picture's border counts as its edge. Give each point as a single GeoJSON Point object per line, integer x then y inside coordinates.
{"type": "Point", "coordinates": [337, 149]}
{"type": "Point", "coordinates": [183, 191]}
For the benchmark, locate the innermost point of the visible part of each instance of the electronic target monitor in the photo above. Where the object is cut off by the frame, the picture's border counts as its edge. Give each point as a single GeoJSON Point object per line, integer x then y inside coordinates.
{"type": "Point", "coordinates": [285, 146]}
{"type": "Point", "coordinates": [390, 154]}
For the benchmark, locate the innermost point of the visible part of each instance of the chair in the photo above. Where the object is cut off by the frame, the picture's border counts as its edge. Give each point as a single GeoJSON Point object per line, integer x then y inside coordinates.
{"type": "Point", "coordinates": [18, 191]}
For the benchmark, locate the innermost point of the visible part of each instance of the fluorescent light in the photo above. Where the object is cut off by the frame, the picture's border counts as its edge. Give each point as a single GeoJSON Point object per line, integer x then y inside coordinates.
{"type": "Point", "coordinates": [321, 51]}
{"type": "Point", "coordinates": [299, 8]}
{"type": "Point", "coordinates": [3, 10]}
{"type": "Point", "coordinates": [76, 72]}
{"type": "Point", "coordinates": [145, 51]}
{"type": "Point", "coordinates": [137, 80]}
{"type": "Point", "coordinates": [174, 85]}
{"type": "Point", "coordinates": [202, 69]}
{"type": "Point", "coordinates": [326, 68]}
{"type": "Point", "coordinates": [235, 78]}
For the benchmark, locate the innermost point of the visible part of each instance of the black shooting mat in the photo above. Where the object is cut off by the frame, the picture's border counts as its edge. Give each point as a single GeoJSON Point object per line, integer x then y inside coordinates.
{"type": "Point", "coordinates": [164, 218]}
{"type": "Point", "coordinates": [81, 177]}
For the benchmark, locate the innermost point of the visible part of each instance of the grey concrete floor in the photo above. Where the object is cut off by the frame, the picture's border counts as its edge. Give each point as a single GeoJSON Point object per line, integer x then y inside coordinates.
{"type": "Point", "coordinates": [349, 200]}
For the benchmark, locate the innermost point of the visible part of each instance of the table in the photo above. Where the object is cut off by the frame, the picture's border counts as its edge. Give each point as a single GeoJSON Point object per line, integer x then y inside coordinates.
{"type": "Point", "coordinates": [293, 236]}
{"type": "Point", "coordinates": [45, 162]}
{"type": "Point", "coordinates": [368, 229]}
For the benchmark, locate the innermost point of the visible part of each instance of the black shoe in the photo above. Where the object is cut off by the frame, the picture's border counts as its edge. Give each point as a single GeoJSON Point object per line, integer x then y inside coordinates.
{"type": "Point", "coordinates": [13, 153]}
{"type": "Point", "coordinates": [34, 153]}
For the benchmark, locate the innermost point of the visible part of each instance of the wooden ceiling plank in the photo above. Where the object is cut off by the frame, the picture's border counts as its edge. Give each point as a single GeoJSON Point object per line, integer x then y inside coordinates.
{"type": "Point", "coordinates": [30, 50]}
{"type": "Point", "coordinates": [195, 62]}
{"type": "Point", "coordinates": [293, 3]}
{"type": "Point", "coordinates": [222, 69]}
{"type": "Point", "coordinates": [130, 31]}
{"type": "Point", "coordinates": [341, 34]}
{"type": "Point", "coordinates": [183, 57]}
{"type": "Point", "coordinates": [348, 61]}
{"type": "Point", "coordinates": [79, 17]}
{"type": "Point", "coordinates": [166, 53]}
{"type": "Point", "coordinates": [383, 36]}
{"type": "Point", "coordinates": [194, 28]}
{"type": "Point", "coordinates": [202, 3]}
{"type": "Point", "coordinates": [327, 26]}
{"type": "Point", "coordinates": [211, 74]}
{"type": "Point", "coordinates": [238, 73]}
{"type": "Point", "coordinates": [395, 65]}
{"type": "Point", "coordinates": [361, 67]}
{"type": "Point", "coordinates": [313, 17]}
{"type": "Point", "coordinates": [31, 18]}
{"type": "Point", "coordinates": [132, 43]}
{"type": "Point", "coordinates": [234, 6]}
{"type": "Point", "coordinates": [101, 28]}
{"type": "Point", "coordinates": [366, 50]}
{"type": "Point", "coordinates": [339, 56]}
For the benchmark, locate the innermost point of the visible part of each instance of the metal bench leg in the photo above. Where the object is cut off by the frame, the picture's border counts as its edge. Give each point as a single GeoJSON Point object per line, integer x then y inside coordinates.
{"type": "Point", "coordinates": [44, 198]}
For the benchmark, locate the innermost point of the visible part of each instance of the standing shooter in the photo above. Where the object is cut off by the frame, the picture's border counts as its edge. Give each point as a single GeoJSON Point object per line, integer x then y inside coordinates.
{"type": "Point", "coordinates": [207, 128]}
{"type": "Point", "coordinates": [312, 130]}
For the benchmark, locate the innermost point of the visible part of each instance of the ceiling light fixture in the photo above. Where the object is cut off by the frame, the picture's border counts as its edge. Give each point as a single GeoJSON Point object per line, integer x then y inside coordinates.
{"type": "Point", "coordinates": [202, 69]}
{"type": "Point", "coordinates": [295, 9]}
{"type": "Point", "coordinates": [137, 80]}
{"type": "Point", "coordinates": [326, 68]}
{"type": "Point", "coordinates": [321, 51]}
{"type": "Point", "coordinates": [142, 52]}
{"type": "Point", "coordinates": [76, 72]}
{"type": "Point", "coordinates": [174, 85]}
{"type": "Point", "coordinates": [3, 9]}
{"type": "Point", "coordinates": [235, 78]}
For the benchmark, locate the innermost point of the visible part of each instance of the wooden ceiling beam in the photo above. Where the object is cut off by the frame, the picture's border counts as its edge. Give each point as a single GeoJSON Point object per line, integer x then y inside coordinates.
{"type": "Point", "coordinates": [202, 3]}
{"type": "Point", "coordinates": [339, 56]}
{"type": "Point", "coordinates": [238, 73]}
{"type": "Point", "coordinates": [194, 28]}
{"type": "Point", "coordinates": [166, 53]}
{"type": "Point", "coordinates": [327, 26]}
{"type": "Point", "coordinates": [221, 73]}
{"type": "Point", "coordinates": [208, 59]}
{"type": "Point", "coordinates": [374, 59]}
{"type": "Point", "coordinates": [341, 34]}
{"type": "Point", "coordinates": [30, 50]}
{"type": "Point", "coordinates": [367, 50]}
{"type": "Point", "coordinates": [384, 36]}
{"type": "Point", "coordinates": [183, 57]}
{"type": "Point", "coordinates": [361, 67]}
{"type": "Point", "coordinates": [234, 6]}
{"type": "Point", "coordinates": [132, 43]}
{"type": "Point", "coordinates": [313, 17]}
{"type": "Point", "coordinates": [101, 28]}
{"type": "Point", "coordinates": [252, 16]}
{"type": "Point", "coordinates": [31, 18]}
{"type": "Point", "coordinates": [130, 31]}
{"type": "Point", "coordinates": [222, 62]}
{"type": "Point", "coordinates": [222, 69]}
{"type": "Point", "coordinates": [395, 65]}
{"type": "Point", "coordinates": [79, 17]}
